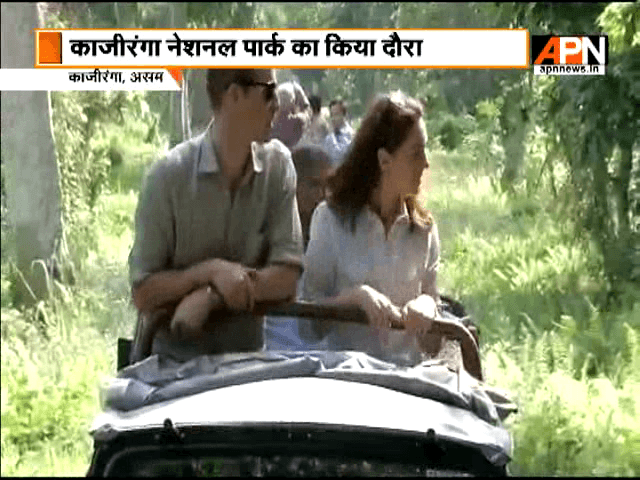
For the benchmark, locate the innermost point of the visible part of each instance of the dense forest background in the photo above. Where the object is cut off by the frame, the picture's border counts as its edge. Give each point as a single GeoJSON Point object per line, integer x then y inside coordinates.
{"type": "Point", "coordinates": [535, 183]}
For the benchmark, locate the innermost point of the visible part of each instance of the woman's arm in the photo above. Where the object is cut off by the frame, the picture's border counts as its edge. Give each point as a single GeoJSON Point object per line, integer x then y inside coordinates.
{"type": "Point", "coordinates": [432, 265]}
{"type": "Point", "coordinates": [380, 311]}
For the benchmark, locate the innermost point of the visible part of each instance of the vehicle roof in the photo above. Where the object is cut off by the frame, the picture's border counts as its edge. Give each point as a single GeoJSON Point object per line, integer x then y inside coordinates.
{"type": "Point", "coordinates": [319, 401]}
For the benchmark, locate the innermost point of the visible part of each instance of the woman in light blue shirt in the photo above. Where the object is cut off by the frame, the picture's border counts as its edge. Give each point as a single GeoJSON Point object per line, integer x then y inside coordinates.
{"type": "Point", "coordinates": [372, 245]}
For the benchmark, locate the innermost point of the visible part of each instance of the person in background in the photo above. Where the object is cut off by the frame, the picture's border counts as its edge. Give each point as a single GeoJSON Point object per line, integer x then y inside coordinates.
{"type": "Point", "coordinates": [318, 127]}
{"type": "Point", "coordinates": [313, 167]}
{"type": "Point", "coordinates": [293, 116]}
{"type": "Point", "coordinates": [217, 227]}
{"type": "Point", "coordinates": [372, 245]}
{"type": "Point", "coordinates": [337, 142]}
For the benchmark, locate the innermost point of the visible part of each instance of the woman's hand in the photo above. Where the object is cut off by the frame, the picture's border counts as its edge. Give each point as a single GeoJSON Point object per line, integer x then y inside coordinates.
{"type": "Point", "coordinates": [418, 314]}
{"type": "Point", "coordinates": [380, 311]}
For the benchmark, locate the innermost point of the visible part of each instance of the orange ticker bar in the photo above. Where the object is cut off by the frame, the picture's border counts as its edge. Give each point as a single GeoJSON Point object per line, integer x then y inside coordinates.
{"type": "Point", "coordinates": [176, 73]}
{"type": "Point", "coordinates": [50, 47]}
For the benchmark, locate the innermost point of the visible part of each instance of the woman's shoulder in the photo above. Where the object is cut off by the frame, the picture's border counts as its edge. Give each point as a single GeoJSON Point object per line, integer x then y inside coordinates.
{"type": "Point", "coordinates": [324, 213]}
{"type": "Point", "coordinates": [327, 219]}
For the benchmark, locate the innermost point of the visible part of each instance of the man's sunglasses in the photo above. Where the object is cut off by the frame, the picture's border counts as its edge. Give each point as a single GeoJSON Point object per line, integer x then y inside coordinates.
{"type": "Point", "coordinates": [269, 88]}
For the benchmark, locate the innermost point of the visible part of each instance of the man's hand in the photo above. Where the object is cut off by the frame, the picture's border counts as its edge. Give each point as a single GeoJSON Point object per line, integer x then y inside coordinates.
{"type": "Point", "coordinates": [380, 311]}
{"type": "Point", "coordinates": [418, 314]}
{"type": "Point", "coordinates": [234, 282]}
{"type": "Point", "coordinates": [193, 312]}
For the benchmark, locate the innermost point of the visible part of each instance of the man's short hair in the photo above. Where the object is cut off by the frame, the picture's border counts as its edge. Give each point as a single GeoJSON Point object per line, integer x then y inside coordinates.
{"type": "Point", "coordinates": [316, 103]}
{"type": "Point", "coordinates": [219, 79]}
{"type": "Point", "coordinates": [338, 101]}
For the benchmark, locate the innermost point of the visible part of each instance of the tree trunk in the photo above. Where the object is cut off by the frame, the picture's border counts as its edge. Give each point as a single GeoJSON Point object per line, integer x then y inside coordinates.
{"type": "Point", "coordinates": [620, 213]}
{"type": "Point", "coordinates": [185, 107]}
{"type": "Point", "coordinates": [634, 206]}
{"type": "Point", "coordinates": [32, 175]}
{"type": "Point", "coordinates": [178, 19]}
{"type": "Point", "coordinates": [199, 100]}
{"type": "Point", "coordinates": [624, 216]}
{"type": "Point", "coordinates": [514, 130]}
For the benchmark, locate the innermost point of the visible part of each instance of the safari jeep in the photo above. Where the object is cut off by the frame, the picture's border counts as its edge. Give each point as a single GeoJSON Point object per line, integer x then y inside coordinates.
{"type": "Point", "coordinates": [312, 413]}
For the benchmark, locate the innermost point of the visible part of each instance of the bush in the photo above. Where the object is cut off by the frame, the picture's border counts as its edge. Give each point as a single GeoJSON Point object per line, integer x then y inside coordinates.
{"type": "Point", "coordinates": [95, 133]}
{"type": "Point", "coordinates": [451, 129]}
{"type": "Point", "coordinates": [450, 135]}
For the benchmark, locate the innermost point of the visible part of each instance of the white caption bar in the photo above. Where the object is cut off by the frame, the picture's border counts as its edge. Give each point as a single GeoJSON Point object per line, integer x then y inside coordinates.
{"type": "Point", "coordinates": [37, 79]}
{"type": "Point", "coordinates": [294, 48]}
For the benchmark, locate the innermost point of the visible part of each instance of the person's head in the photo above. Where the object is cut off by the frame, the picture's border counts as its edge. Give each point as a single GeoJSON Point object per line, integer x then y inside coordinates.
{"type": "Point", "coordinates": [316, 104]}
{"type": "Point", "coordinates": [288, 125]}
{"type": "Point", "coordinates": [313, 165]}
{"type": "Point", "coordinates": [246, 97]}
{"type": "Point", "coordinates": [388, 151]}
{"type": "Point", "coordinates": [338, 112]}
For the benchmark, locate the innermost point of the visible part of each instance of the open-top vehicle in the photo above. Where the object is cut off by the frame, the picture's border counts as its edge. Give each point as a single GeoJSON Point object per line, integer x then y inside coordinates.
{"type": "Point", "coordinates": [303, 413]}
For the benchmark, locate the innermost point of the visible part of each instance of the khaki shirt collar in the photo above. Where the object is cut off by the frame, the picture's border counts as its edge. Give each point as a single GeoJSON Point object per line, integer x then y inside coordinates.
{"type": "Point", "coordinates": [208, 162]}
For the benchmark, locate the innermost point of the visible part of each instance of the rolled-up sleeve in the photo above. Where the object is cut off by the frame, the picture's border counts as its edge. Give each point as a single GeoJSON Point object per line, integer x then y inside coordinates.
{"type": "Point", "coordinates": [319, 277]}
{"type": "Point", "coordinates": [432, 264]}
{"type": "Point", "coordinates": [285, 232]}
{"type": "Point", "coordinates": [154, 227]}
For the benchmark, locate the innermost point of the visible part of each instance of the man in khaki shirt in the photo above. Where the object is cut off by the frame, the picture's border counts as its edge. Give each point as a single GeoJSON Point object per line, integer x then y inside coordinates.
{"type": "Point", "coordinates": [217, 225]}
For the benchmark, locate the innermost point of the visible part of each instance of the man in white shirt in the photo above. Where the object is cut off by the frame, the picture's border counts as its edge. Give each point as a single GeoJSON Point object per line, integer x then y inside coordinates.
{"type": "Point", "coordinates": [337, 142]}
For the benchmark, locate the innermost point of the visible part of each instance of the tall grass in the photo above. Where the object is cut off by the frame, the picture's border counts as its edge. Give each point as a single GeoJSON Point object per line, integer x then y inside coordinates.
{"type": "Point", "coordinates": [536, 289]}
{"type": "Point", "coordinates": [56, 355]}
{"type": "Point", "coordinates": [533, 286]}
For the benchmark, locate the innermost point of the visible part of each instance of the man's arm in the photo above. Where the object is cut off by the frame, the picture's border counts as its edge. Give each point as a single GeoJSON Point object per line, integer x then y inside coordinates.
{"type": "Point", "coordinates": [276, 283]}
{"type": "Point", "coordinates": [168, 287]}
{"type": "Point", "coordinates": [229, 279]}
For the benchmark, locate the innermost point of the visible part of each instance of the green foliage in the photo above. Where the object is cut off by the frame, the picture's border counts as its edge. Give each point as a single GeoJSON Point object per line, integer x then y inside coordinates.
{"type": "Point", "coordinates": [94, 133]}
{"type": "Point", "coordinates": [222, 14]}
{"type": "Point", "coordinates": [471, 142]}
{"type": "Point", "coordinates": [621, 21]}
{"type": "Point", "coordinates": [452, 129]}
{"type": "Point", "coordinates": [590, 119]}
{"type": "Point", "coordinates": [576, 428]}
{"type": "Point", "coordinates": [487, 114]}
{"type": "Point", "coordinates": [55, 355]}
{"type": "Point", "coordinates": [589, 124]}
{"type": "Point", "coordinates": [543, 18]}
{"type": "Point", "coordinates": [48, 387]}
{"type": "Point", "coordinates": [566, 425]}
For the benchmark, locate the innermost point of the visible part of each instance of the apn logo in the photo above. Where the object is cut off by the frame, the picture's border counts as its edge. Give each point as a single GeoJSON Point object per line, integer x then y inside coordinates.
{"type": "Point", "coordinates": [583, 55]}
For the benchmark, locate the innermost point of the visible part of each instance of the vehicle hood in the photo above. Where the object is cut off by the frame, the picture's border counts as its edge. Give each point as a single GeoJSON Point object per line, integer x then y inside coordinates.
{"type": "Point", "coordinates": [313, 388]}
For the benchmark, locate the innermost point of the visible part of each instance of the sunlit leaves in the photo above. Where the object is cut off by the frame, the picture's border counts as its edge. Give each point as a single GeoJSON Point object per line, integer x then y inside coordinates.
{"type": "Point", "coordinates": [621, 21]}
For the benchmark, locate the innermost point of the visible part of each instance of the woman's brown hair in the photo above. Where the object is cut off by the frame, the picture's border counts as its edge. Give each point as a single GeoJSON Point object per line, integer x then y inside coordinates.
{"type": "Point", "coordinates": [386, 125]}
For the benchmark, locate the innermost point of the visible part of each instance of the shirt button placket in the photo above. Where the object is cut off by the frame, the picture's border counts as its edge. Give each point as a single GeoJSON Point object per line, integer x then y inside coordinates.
{"type": "Point", "coordinates": [228, 205]}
